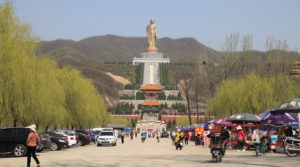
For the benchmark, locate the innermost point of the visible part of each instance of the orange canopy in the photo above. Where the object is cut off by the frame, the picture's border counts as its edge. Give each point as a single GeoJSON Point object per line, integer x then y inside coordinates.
{"type": "Point", "coordinates": [296, 62]}
{"type": "Point", "coordinates": [151, 87]}
{"type": "Point", "coordinates": [151, 103]}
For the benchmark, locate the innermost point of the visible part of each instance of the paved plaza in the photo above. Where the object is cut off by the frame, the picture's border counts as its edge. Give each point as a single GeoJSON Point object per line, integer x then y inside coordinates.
{"type": "Point", "coordinates": [148, 154]}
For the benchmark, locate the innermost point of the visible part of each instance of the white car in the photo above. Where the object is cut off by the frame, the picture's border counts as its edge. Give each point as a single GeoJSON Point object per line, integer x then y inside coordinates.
{"type": "Point", "coordinates": [107, 138]}
{"type": "Point", "coordinates": [72, 140]}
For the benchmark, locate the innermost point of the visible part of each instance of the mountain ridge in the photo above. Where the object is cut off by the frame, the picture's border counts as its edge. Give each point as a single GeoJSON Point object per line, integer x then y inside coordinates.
{"type": "Point", "coordinates": [90, 54]}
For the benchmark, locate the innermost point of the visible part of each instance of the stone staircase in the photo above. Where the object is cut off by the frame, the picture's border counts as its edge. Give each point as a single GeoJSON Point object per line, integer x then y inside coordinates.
{"type": "Point", "coordinates": [151, 121]}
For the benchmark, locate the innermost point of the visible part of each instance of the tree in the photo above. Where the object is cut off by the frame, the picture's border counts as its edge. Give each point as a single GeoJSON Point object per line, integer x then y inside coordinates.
{"type": "Point", "coordinates": [35, 90]}
{"type": "Point", "coordinates": [187, 85]}
{"type": "Point", "coordinates": [230, 55]}
{"type": "Point", "coordinates": [17, 49]}
{"type": "Point", "coordinates": [278, 56]}
{"type": "Point", "coordinates": [174, 123]}
{"type": "Point", "coordinates": [253, 94]}
{"type": "Point", "coordinates": [161, 96]}
{"type": "Point", "coordinates": [140, 96]}
{"type": "Point", "coordinates": [169, 125]}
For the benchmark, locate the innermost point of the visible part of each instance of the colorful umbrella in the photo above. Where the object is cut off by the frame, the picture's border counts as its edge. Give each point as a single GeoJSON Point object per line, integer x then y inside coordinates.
{"type": "Point", "coordinates": [183, 128]}
{"type": "Point", "coordinates": [202, 124]}
{"type": "Point", "coordinates": [290, 106]}
{"type": "Point", "coordinates": [221, 121]}
{"type": "Point", "coordinates": [243, 118]}
{"type": "Point", "coordinates": [287, 119]}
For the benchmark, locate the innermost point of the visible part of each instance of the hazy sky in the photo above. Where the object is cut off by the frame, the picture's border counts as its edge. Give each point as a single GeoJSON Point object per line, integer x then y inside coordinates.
{"type": "Point", "coordinates": [208, 21]}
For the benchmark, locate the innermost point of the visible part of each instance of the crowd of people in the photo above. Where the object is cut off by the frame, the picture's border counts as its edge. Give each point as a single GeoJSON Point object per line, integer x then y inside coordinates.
{"type": "Point", "coordinates": [239, 138]}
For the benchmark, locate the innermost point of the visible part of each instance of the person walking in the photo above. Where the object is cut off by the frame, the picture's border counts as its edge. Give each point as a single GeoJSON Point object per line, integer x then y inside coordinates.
{"type": "Point", "coordinates": [31, 143]}
{"type": "Point", "coordinates": [241, 138]}
{"type": "Point", "coordinates": [158, 136]}
{"type": "Point", "coordinates": [186, 138]}
{"type": "Point", "coordinates": [256, 138]}
{"type": "Point", "coordinates": [143, 136]}
{"type": "Point", "coordinates": [131, 135]}
{"type": "Point", "coordinates": [122, 136]}
{"type": "Point", "coordinates": [173, 134]}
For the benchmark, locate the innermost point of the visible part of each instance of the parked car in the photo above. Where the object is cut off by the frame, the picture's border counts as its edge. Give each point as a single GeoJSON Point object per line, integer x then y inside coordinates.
{"type": "Point", "coordinates": [164, 134]}
{"type": "Point", "coordinates": [106, 138]}
{"type": "Point", "coordinates": [13, 140]}
{"type": "Point", "coordinates": [58, 141]}
{"type": "Point", "coordinates": [44, 143]}
{"type": "Point", "coordinates": [69, 133]}
{"type": "Point", "coordinates": [83, 138]}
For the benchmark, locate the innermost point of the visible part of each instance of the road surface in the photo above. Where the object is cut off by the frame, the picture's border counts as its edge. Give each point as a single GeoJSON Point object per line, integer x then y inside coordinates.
{"type": "Point", "coordinates": [148, 154]}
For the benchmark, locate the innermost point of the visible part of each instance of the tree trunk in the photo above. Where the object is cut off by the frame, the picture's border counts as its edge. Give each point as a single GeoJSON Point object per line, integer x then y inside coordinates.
{"type": "Point", "coordinates": [188, 105]}
{"type": "Point", "coordinates": [15, 123]}
{"type": "Point", "coordinates": [197, 102]}
{"type": "Point", "coordinates": [46, 128]}
{"type": "Point", "coordinates": [14, 115]}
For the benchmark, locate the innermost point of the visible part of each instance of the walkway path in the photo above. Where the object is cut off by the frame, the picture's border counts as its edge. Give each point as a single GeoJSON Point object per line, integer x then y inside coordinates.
{"type": "Point", "coordinates": [149, 154]}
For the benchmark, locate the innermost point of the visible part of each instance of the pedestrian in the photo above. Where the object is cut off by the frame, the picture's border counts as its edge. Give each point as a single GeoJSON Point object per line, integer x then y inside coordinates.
{"type": "Point", "coordinates": [158, 136]}
{"type": "Point", "coordinates": [131, 135]}
{"type": "Point", "coordinates": [225, 135]}
{"type": "Point", "coordinates": [186, 138]}
{"type": "Point", "coordinates": [31, 143]}
{"type": "Point", "coordinates": [122, 136]}
{"type": "Point", "coordinates": [173, 134]}
{"type": "Point", "coordinates": [143, 136]}
{"type": "Point", "coordinates": [177, 135]}
{"type": "Point", "coordinates": [256, 138]}
{"type": "Point", "coordinates": [241, 138]}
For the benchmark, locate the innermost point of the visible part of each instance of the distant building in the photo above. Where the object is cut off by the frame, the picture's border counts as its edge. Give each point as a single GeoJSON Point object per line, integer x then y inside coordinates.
{"type": "Point", "coordinates": [295, 69]}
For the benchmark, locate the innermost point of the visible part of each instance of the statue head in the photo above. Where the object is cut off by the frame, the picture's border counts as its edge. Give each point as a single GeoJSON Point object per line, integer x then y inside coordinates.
{"type": "Point", "coordinates": [151, 21]}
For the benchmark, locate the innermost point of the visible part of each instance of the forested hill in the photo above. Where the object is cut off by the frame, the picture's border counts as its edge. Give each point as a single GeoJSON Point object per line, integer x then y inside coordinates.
{"type": "Point", "coordinates": [111, 47]}
{"type": "Point", "coordinates": [90, 54]}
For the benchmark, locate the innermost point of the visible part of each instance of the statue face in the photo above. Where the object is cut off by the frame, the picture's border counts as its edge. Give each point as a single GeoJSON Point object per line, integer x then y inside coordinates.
{"type": "Point", "coordinates": [152, 21]}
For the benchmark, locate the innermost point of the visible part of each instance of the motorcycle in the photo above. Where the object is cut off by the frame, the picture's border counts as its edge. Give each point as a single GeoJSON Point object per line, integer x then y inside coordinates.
{"type": "Point", "coordinates": [179, 145]}
{"type": "Point", "coordinates": [292, 146]}
{"type": "Point", "coordinates": [217, 148]}
{"type": "Point", "coordinates": [199, 140]}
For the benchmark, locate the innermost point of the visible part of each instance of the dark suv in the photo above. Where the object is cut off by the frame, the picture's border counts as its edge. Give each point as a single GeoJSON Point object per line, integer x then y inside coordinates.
{"type": "Point", "coordinates": [83, 137]}
{"type": "Point", "coordinates": [13, 140]}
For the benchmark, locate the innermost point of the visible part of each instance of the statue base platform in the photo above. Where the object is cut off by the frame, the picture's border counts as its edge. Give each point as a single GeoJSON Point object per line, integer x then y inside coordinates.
{"type": "Point", "coordinates": [151, 62]}
{"type": "Point", "coordinates": [152, 50]}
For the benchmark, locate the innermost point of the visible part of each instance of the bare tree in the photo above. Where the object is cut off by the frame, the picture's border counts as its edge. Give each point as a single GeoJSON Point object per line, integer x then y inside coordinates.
{"type": "Point", "coordinates": [279, 56]}
{"type": "Point", "coordinates": [246, 48]}
{"type": "Point", "coordinates": [230, 54]}
{"type": "Point", "coordinates": [187, 76]}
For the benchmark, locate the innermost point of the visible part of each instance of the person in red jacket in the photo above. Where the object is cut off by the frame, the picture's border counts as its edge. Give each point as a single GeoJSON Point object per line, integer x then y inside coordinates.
{"type": "Point", "coordinates": [241, 138]}
{"type": "Point", "coordinates": [32, 140]}
{"type": "Point", "coordinates": [186, 138]}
